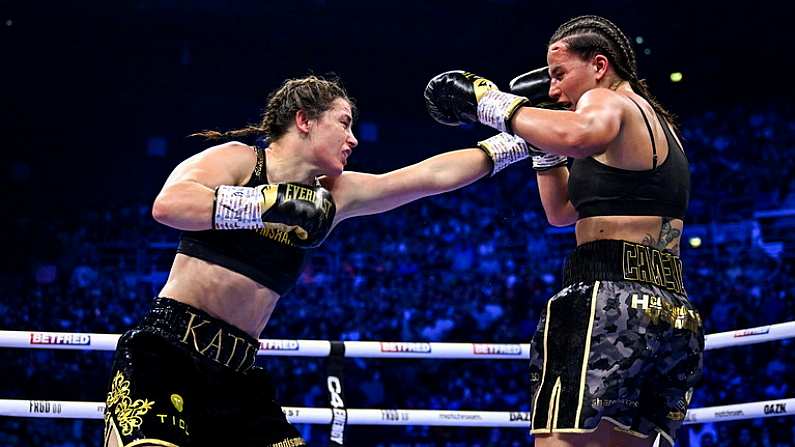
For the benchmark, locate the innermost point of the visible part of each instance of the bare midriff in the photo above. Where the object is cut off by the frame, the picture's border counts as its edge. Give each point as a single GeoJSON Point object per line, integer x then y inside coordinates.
{"type": "Point", "coordinates": [222, 293]}
{"type": "Point", "coordinates": [662, 233]}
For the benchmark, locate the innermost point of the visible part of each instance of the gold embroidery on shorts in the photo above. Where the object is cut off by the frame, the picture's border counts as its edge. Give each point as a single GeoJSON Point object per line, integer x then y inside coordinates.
{"type": "Point", "coordinates": [657, 308]}
{"type": "Point", "coordinates": [647, 264]}
{"type": "Point", "coordinates": [290, 442]}
{"type": "Point", "coordinates": [128, 412]}
{"type": "Point", "coordinates": [177, 401]}
{"type": "Point", "coordinates": [675, 415]}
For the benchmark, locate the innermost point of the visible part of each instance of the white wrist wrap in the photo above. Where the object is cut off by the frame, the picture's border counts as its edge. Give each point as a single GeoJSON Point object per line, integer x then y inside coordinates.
{"type": "Point", "coordinates": [542, 162]}
{"type": "Point", "coordinates": [237, 208]}
{"type": "Point", "coordinates": [495, 108]}
{"type": "Point", "coordinates": [504, 149]}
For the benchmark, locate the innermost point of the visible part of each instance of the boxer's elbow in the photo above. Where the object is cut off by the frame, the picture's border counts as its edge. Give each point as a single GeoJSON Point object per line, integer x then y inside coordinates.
{"type": "Point", "coordinates": [185, 205]}
{"type": "Point", "coordinates": [169, 208]}
{"type": "Point", "coordinates": [561, 216]}
{"type": "Point", "coordinates": [560, 220]}
{"type": "Point", "coordinates": [163, 209]}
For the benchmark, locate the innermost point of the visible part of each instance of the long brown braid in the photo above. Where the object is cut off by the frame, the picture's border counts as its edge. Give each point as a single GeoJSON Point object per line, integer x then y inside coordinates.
{"type": "Point", "coordinates": [590, 35]}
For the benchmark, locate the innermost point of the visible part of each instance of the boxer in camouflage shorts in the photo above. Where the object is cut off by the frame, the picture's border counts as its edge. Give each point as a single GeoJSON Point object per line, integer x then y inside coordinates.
{"type": "Point", "coordinates": [626, 347]}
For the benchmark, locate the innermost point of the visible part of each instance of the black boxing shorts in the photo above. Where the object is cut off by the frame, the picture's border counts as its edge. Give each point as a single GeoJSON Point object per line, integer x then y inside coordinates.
{"type": "Point", "coordinates": [621, 343]}
{"type": "Point", "coordinates": [183, 378]}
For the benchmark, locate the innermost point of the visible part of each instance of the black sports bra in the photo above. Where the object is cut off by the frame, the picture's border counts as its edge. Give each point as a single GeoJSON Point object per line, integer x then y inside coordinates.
{"type": "Point", "coordinates": [265, 255]}
{"type": "Point", "coordinates": [596, 189]}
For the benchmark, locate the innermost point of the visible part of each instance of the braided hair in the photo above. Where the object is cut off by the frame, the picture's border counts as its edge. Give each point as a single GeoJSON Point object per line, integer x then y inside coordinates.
{"type": "Point", "coordinates": [312, 94]}
{"type": "Point", "coordinates": [591, 35]}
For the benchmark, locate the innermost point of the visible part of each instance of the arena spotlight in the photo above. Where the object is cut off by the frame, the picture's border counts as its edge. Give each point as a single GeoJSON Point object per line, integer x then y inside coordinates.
{"type": "Point", "coordinates": [676, 76]}
{"type": "Point", "coordinates": [695, 242]}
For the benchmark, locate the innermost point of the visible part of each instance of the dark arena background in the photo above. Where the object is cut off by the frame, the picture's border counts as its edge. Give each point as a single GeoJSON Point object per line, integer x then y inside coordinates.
{"type": "Point", "coordinates": [98, 98]}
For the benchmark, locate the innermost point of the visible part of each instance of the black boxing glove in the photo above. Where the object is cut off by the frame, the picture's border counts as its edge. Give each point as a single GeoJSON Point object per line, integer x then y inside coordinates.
{"type": "Point", "coordinates": [304, 212]}
{"type": "Point", "coordinates": [534, 85]}
{"type": "Point", "coordinates": [457, 97]}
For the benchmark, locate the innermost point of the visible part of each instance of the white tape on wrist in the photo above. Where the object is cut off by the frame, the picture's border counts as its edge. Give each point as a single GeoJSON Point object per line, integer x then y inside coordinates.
{"type": "Point", "coordinates": [504, 149]}
{"type": "Point", "coordinates": [237, 208]}
{"type": "Point", "coordinates": [495, 108]}
{"type": "Point", "coordinates": [542, 162]}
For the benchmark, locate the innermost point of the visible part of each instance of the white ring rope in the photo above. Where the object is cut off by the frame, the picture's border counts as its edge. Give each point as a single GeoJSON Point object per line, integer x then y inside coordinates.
{"type": "Point", "coordinates": [374, 349]}
{"type": "Point", "coordinates": [448, 418]}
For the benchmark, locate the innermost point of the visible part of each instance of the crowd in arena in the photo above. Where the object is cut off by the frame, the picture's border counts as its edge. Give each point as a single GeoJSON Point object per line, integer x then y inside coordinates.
{"type": "Point", "coordinates": [475, 265]}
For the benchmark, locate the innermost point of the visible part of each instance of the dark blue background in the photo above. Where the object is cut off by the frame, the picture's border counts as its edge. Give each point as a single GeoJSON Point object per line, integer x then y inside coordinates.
{"type": "Point", "coordinates": [97, 100]}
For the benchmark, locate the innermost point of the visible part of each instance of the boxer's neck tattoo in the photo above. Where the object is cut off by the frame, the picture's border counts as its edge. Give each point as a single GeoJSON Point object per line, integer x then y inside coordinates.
{"type": "Point", "coordinates": [668, 236]}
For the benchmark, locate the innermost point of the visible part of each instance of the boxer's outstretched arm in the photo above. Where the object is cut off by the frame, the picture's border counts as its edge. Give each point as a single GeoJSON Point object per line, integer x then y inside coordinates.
{"type": "Point", "coordinates": [359, 194]}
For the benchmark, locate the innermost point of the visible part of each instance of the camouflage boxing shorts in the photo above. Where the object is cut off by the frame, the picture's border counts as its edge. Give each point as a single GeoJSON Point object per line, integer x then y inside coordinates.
{"type": "Point", "coordinates": [626, 351]}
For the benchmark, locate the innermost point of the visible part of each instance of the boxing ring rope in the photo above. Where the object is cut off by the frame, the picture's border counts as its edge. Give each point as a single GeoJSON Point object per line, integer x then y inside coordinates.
{"type": "Point", "coordinates": [374, 416]}
{"type": "Point", "coordinates": [374, 349]}
{"type": "Point", "coordinates": [381, 349]}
